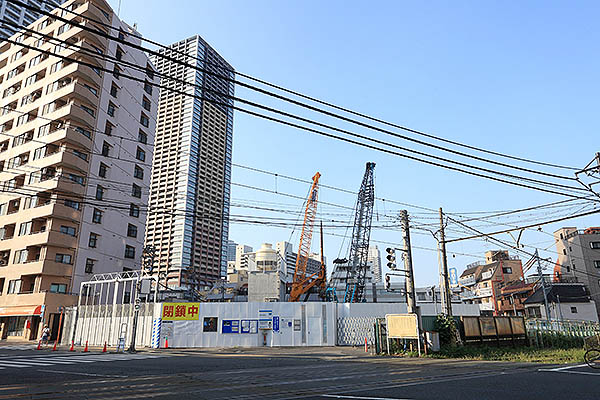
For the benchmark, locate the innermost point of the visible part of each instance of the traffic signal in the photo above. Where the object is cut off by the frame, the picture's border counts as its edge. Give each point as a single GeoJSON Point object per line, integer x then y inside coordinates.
{"type": "Point", "coordinates": [148, 255]}
{"type": "Point", "coordinates": [391, 257]}
{"type": "Point", "coordinates": [387, 283]}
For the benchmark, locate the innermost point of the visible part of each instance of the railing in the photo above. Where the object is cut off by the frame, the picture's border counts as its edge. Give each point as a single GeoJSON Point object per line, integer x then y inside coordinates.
{"type": "Point", "coordinates": [486, 306]}
{"type": "Point", "coordinates": [467, 281]}
{"type": "Point", "coordinates": [570, 328]}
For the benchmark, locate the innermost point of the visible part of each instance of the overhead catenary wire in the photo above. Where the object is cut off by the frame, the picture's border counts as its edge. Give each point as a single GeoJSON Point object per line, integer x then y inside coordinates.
{"type": "Point", "coordinates": [302, 119]}
{"type": "Point", "coordinates": [298, 94]}
{"type": "Point", "coordinates": [316, 131]}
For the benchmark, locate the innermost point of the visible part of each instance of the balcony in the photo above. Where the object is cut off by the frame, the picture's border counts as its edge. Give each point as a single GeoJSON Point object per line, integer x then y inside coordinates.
{"type": "Point", "coordinates": [467, 281]}
{"type": "Point", "coordinates": [487, 275]}
{"type": "Point", "coordinates": [486, 306]}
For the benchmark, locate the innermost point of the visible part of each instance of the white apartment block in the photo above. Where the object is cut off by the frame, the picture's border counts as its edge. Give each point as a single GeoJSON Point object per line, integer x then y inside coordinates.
{"type": "Point", "coordinates": [75, 151]}
{"type": "Point", "coordinates": [192, 167]}
{"type": "Point", "coordinates": [374, 263]}
{"type": "Point", "coordinates": [13, 13]}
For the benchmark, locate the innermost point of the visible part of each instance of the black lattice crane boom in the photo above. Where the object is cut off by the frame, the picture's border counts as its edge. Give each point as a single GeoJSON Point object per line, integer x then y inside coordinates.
{"type": "Point", "coordinates": [359, 247]}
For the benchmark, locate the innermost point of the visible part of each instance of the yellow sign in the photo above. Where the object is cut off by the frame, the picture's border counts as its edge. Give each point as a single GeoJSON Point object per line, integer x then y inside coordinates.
{"type": "Point", "coordinates": [403, 326]}
{"type": "Point", "coordinates": [181, 311]}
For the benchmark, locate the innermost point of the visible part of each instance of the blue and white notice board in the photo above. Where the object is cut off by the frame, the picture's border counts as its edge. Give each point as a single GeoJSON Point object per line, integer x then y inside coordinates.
{"type": "Point", "coordinates": [249, 326]}
{"type": "Point", "coordinates": [230, 326]}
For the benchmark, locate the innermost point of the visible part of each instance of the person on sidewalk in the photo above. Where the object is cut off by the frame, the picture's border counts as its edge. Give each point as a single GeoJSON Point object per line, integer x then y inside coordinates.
{"type": "Point", "coordinates": [45, 335]}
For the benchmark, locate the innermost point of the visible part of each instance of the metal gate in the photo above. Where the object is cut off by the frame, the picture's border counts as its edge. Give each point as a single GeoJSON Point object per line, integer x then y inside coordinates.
{"type": "Point", "coordinates": [352, 331]}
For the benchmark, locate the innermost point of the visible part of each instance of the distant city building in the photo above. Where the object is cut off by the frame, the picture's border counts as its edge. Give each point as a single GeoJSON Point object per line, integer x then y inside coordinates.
{"type": "Point", "coordinates": [76, 143]}
{"type": "Point", "coordinates": [481, 282]}
{"type": "Point", "coordinates": [579, 258]}
{"type": "Point", "coordinates": [243, 256]}
{"type": "Point", "coordinates": [16, 14]}
{"type": "Point", "coordinates": [231, 245]}
{"type": "Point", "coordinates": [192, 166]}
{"type": "Point", "coordinates": [287, 253]}
{"type": "Point", "coordinates": [374, 263]}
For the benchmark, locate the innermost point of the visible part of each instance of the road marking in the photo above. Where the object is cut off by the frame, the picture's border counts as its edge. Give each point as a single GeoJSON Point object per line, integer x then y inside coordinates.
{"type": "Point", "coordinates": [23, 363]}
{"type": "Point", "coordinates": [564, 368]}
{"type": "Point", "coordinates": [338, 396]}
{"type": "Point", "coordinates": [82, 373]}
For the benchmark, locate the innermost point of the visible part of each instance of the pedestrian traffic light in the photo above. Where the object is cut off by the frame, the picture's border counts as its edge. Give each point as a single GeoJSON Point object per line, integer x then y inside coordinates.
{"type": "Point", "coordinates": [391, 257]}
{"type": "Point", "coordinates": [387, 284]}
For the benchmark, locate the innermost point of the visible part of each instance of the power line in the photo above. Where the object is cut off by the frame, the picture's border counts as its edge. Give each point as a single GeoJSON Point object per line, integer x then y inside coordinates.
{"type": "Point", "coordinates": [324, 133]}
{"type": "Point", "coordinates": [280, 88]}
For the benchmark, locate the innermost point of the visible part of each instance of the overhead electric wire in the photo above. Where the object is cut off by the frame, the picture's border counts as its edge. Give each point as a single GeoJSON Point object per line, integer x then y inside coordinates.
{"type": "Point", "coordinates": [280, 88]}
{"type": "Point", "coordinates": [313, 130]}
{"type": "Point", "coordinates": [286, 114]}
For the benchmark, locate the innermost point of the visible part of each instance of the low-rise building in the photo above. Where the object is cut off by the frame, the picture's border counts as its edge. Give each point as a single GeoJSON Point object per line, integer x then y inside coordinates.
{"type": "Point", "coordinates": [480, 283]}
{"type": "Point", "coordinates": [566, 301]}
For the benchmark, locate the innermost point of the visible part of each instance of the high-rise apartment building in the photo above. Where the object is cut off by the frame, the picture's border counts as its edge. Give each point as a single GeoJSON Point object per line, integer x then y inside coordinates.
{"type": "Point", "coordinates": [75, 151]}
{"type": "Point", "coordinates": [579, 258]}
{"type": "Point", "coordinates": [374, 263]}
{"type": "Point", "coordinates": [16, 14]}
{"type": "Point", "coordinates": [192, 165]}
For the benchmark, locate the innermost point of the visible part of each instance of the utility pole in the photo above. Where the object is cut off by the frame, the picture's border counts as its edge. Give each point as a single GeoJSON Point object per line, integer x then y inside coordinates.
{"type": "Point", "coordinates": [537, 256]}
{"type": "Point", "coordinates": [136, 313]}
{"type": "Point", "coordinates": [447, 297]}
{"type": "Point", "coordinates": [408, 266]}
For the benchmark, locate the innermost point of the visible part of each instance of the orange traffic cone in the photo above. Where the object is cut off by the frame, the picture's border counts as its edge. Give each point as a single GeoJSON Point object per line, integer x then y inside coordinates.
{"type": "Point", "coordinates": [85, 350]}
{"type": "Point", "coordinates": [167, 342]}
{"type": "Point", "coordinates": [54, 348]}
{"type": "Point", "coordinates": [104, 349]}
{"type": "Point", "coordinates": [72, 346]}
{"type": "Point", "coordinates": [39, 346]}
{"type": "Point", "coordinates": [366, 346]}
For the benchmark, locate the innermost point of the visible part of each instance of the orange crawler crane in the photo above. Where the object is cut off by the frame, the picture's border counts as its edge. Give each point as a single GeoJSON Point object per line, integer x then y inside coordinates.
{"type": "Point", "coordinates": [303, 284]}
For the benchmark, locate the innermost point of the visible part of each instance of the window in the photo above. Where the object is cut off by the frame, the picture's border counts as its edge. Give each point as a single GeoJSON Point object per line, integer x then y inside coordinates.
{"type": "Point", "coordinates": [84, 132]}
{"type": "Point", "coordinates": [97, 216]}
{"type": "Point", "coordinates": [111, 109]}
{"type": "Point", "coordinates": [146, 103]}
{"type": "Point", "coordinates": [58, 288]}
{"type": "Point", "coordinates": [73, 204]}
{"type": "Point", "coordinates": [108, 128]}
{"type": "Point", "coordinates": [62, 29]}
{"type": "Point", "coordinates": [76, 178]}
{"type": "Point", "coordinates": [142, 137]}
{"type": "Point", "coordinates": [25, 228]}
{"type": "Point", "coordinates": [91, 89]}
{"type": "Point", "coordinates": [136, 191]}
{"type": "Point", "coordinates": [114, 90]}
{"type": "Point", "coordinates": [149, 71]}
{"type": "Point", "coordinates": [14, 286]}
{"type": "Point", "coordinates": [144, 120]}
{"type": "Point", "coordinates": [573, 310]}
{"type": "Point", "coordinates": [105, 149]}
{"type": "Point", "coordinates": [595, 245]}
{"type": "Point", "coordinates": [80, 154]}
{"type": "Point", "coordinates": [132, 230]}
{"type": "Point", "coordinates": [88, 110]}
{"type": "Point", "coordinates": [134, 211]}
{"type": "Point", "coordinates": [138, 172]}
{"type": "Point", "coordinates": [129, 251]}
{"type": "Point", "coordinates": [93, 240]}
{"type": "Point", "coordinates": [148, 88]}
{"type": "Point", "coordinates": [102, 170]}
{"type": "Point", "coordinates": [597, 263]}
{"type": "Point", "coordinates": [99, 192]}
{"type": "Point", "coordinates": [140, 154]}
{"type": "Point", "coordinates": [506, 270]}
{"type": "Point", "coordinates": [116, 72]}
{"type": "Point", "coordinates": [67, 230]}
{"type": "Point", "coordinates": [89, 266]}
{"type": "Point", "coordinates": [121, 34]}
{"type": "Point", "coordinates": [20, 257]}
{"type": "Point", "coordinates": [63, 258]}
{"type": "Point", "coordinates": [119, 54]}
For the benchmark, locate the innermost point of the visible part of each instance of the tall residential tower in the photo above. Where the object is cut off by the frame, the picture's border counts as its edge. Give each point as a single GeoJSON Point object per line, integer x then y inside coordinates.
{"type": "Point", "coordinates": [192, 165]}
{"type": "Point", "coordinates": [11, 12]}
{"type": "Point", "coordinates": [75, 147]}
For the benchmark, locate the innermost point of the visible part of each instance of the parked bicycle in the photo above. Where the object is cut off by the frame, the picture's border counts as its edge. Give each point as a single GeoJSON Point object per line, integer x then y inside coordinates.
{"type": "Point", "coordinates": [592, 358]}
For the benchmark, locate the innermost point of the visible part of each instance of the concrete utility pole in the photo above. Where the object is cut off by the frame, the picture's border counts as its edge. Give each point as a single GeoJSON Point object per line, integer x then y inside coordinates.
{"type": "Point", "coordinates": [447, 297]}
{"type": "Point", "coordinates": [136, 314]}
{"type": "Point", "coordinates": [537, 256]}
{"type": "Point", "coordinates": [408, 266]}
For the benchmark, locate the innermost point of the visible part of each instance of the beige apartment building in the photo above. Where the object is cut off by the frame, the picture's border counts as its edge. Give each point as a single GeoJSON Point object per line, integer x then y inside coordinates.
{"type": "Point", "coordinates": [481, 282]}
{"type": "Point", "coordinates": [579, 258]}
{"type": "Point", "coordinates": [75, 151]}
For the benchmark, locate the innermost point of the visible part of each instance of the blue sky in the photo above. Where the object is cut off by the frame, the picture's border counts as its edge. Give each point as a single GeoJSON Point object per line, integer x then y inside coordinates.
{"type": "Point", "coordinates": [514, 77]}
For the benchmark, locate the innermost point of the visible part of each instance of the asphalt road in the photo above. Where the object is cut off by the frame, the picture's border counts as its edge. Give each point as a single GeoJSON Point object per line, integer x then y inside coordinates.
{"type": "Point", "coordinates": [307, 373]}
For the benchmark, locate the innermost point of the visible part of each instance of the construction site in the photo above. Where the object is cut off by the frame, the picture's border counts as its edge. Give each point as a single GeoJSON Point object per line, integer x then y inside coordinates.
{"type": "Point", "coordinates": [270, 305]}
